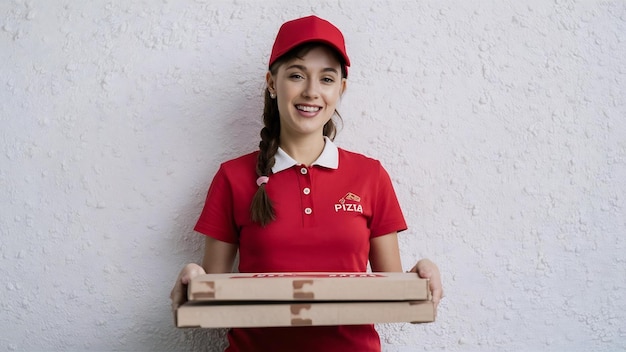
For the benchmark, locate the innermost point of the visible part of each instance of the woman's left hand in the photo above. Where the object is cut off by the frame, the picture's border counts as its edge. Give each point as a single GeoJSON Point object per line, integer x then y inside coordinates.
{"type": "Point", "coordinates": [426, 269]}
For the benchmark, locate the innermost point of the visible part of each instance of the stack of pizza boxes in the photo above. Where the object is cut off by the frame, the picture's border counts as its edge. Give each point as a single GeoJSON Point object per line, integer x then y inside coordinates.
{"type": "Point", "coordinates": [305, 299]}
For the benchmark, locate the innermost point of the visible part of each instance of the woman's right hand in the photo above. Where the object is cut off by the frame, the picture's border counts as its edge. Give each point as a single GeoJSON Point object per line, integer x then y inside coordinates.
{"type": "Point", "coordinates": [179, 292]}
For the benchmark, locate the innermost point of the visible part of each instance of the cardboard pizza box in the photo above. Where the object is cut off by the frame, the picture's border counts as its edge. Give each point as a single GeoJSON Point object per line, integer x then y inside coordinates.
{"type": "Point", "coordinates": [242, 315]}
{"type": "Point", "coordinates": [309, 287]}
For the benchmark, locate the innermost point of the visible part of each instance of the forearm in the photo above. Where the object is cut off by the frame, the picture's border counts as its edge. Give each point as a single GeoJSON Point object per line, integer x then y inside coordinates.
{"type": "Point", "coordinates": [219, 256]}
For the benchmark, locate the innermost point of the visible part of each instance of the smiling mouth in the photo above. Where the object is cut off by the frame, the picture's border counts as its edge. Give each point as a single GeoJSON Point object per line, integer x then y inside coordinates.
{"type": "Point", "coordinates": [308, 108]}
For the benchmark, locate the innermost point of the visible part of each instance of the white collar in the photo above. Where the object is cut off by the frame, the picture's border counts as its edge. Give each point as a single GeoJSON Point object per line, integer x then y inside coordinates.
{"type": "Point", "coordinates": [329, 158]}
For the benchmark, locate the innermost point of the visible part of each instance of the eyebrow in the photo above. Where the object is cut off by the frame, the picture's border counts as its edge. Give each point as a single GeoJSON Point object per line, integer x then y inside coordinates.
{"type": "Point", "coordinates": [303, 68]}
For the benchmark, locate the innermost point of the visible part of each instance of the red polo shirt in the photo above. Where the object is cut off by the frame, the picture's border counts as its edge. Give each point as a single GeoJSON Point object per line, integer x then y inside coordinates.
{"type": "Point", "coordinates": [326, 215]}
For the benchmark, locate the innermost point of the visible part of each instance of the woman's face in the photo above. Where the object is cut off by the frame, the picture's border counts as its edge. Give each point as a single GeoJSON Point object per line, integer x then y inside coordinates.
{"type": "Point", "coordinates": [307, 91]}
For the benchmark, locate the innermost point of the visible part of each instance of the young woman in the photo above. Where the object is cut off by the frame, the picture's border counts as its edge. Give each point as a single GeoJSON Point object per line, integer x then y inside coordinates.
{"type": "Point", "coordinates": [300, 203]}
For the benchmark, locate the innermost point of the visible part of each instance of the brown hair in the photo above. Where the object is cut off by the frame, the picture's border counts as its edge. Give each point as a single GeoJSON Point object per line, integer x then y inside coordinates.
{"type": "Point", "coordinates": [261, 209]}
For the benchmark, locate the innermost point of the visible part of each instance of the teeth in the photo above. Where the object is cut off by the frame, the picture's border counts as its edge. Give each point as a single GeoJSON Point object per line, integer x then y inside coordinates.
{"type": "Point", "coordinates": [307, 108]}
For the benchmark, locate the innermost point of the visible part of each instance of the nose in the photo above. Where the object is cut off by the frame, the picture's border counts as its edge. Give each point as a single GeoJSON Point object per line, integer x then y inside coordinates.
{"type": "Point", "coordinates": [311, 90]}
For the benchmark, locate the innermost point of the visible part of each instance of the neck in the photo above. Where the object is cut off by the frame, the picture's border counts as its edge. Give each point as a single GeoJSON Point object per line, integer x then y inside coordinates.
{"type": "Point", "coordinates": [304, 150]}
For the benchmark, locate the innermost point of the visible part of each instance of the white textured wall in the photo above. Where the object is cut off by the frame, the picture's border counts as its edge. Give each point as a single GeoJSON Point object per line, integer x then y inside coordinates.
{"type": "Point", "coordinates": [502, 124]}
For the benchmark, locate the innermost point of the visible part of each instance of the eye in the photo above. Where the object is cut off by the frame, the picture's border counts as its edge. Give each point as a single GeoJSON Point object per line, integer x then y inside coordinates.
{"type": "Point", "coordinates": [328, 80]}
{"type": "Point", "coordinates": [296, 76]}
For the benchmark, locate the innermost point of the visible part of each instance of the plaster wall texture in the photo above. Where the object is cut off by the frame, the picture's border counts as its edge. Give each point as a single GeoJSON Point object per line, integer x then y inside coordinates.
{"type": "Point", "coordinates": [502, 124]}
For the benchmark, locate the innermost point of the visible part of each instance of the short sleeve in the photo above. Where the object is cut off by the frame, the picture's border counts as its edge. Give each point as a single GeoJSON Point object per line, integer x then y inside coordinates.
{"type": "Point", "coordinates": [217, 217]}
{"type": "Point", "coordinates": [387, 215]}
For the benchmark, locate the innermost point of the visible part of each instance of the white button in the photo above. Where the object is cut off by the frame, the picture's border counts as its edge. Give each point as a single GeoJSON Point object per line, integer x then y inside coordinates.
{"type": "Point", "coordinates": [308, 211]}
{"type": "Point", "coordinates": [306, 190]}
{"type": "Point", "coordinates": [304, 171]}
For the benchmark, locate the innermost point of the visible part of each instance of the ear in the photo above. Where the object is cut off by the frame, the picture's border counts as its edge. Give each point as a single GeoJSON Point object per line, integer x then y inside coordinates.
{"type": "Point", "coordinates": [269, 80]}
{"type": "Point", "coordinates": [344, 86]}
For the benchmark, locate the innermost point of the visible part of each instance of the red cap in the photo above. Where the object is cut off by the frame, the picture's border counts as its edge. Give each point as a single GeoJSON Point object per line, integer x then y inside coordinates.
{"type": "Point", "coordinates": [305, 30]}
